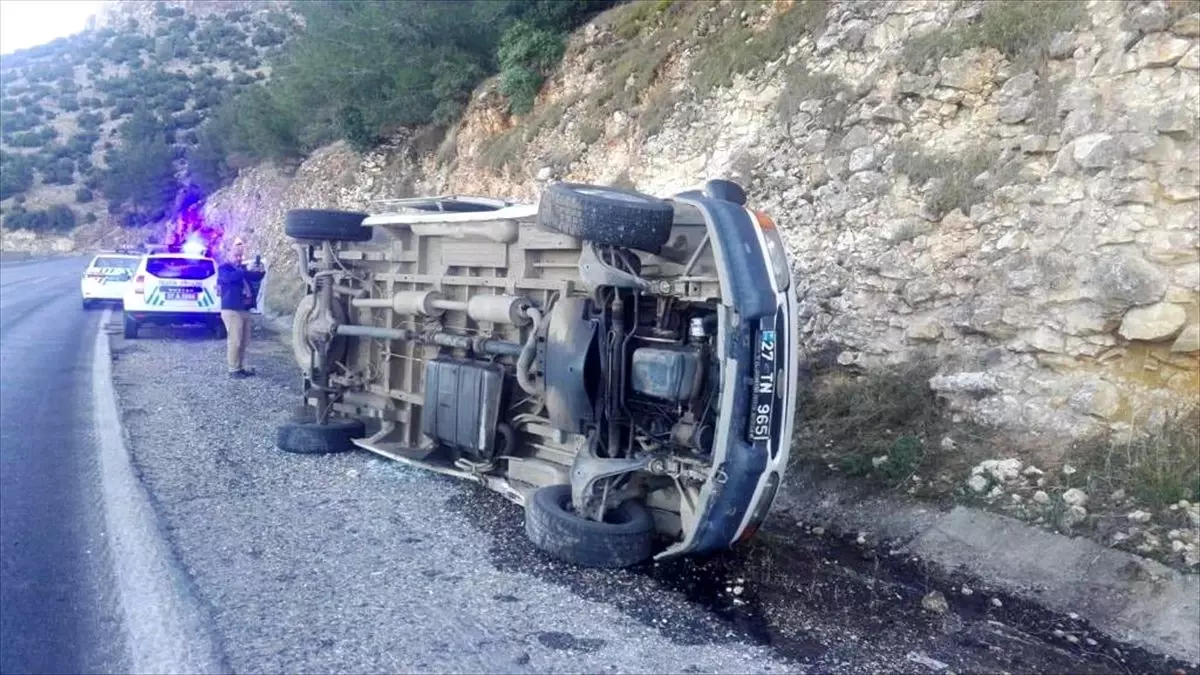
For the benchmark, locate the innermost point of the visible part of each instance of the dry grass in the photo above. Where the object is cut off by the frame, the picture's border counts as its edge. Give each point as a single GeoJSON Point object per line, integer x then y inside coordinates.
{"type": "Point", "coordinates": [447, 151]}
{"type": "Point", "coordinates": [1158, 469]}
{"type": "Point", "coordinates": [590, 132]}
{"type": "Point", "coordinates": [503, 149]}
{"type": "Point", "coordinates": [907, 231]}
{"type": "Point", "coordinates": [800, 85]}
{"type": "Point", "coordinates": [1179, 9]}
{"type": "Point", "coordinates": [950, 179]}
{"type": "Point", "coordinates": [1019, 29]}
{"type": "Point", "coordinates": [741, 48]}
{"type": "Point", "coordinates": [725, 48]}
{"type": "Point", "coordinates": [624, 181]}
{"type": "Point", "coordinates": [506, 148]}
{"type": "Point", "coordinates": [846, 423]}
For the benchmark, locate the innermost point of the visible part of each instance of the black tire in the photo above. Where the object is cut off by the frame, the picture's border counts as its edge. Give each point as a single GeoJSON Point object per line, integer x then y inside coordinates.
{"type": "Point", "coordinates": [131, 327]}
{"type": "Point", "coordinates": [318, 225]}
{"type": "Point", "coordinates": [607, 215]}
{"type": "Point", "coordinates": [219, 330]}
{"type": "Point", "coordinates": [555, 529]}
{"type": "Point", "coordinates": [310, 438]}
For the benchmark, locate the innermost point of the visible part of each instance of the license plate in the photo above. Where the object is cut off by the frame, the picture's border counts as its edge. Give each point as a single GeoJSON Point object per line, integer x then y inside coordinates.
{"type": "Point", "coordinates": [763, 396]}
{"type": "Point", "coordinates": [179, 294]}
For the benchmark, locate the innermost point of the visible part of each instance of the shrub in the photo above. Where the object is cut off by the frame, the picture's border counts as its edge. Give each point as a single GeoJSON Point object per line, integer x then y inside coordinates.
{"type": "Point", "coordinates": [950, 179]}
{"type": "Point", "coordinates": [83, 195]}
{"type": "Point", "coordinates": [1158, 469]}
{"type": "Point", "coordinates": [520, 85]}
{"type": "Point", "coordinates": [58, 218]}
{"type": "Point", "coordinates": [81, 144]}
{"type": "Point", "coordinates": [16, 174]}
{"type": "Point", "coordinates": [60, 172]}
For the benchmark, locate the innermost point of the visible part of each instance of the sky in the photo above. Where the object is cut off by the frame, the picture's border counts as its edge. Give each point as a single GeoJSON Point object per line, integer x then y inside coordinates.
{"type": "Point", "coordinates": [27, 23]}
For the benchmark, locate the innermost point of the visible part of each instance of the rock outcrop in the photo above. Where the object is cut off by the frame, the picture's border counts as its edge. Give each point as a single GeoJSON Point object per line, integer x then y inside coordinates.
{"type": "Point", "coordinates": [1032, 223]}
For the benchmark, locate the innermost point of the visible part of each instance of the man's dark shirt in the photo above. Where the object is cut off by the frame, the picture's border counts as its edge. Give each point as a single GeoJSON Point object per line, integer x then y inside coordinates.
{"type": "Point", "coordinates": [235, 283]}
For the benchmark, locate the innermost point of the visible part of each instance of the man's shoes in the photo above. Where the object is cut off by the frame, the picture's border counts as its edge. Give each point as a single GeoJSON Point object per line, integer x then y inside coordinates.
{"type": "Point", "coordinates": [248, 371]}
{"type": "Point", "coordinates": [241, 374]}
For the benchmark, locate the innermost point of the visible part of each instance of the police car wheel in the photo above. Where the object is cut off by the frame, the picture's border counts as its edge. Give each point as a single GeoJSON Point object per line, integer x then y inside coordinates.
{"type": "Point", "coordinates": [311, 438]}
{"type": "Point", "coordinates": [218, 329]}
{"type": "Point", "coordinates": [131, 328]}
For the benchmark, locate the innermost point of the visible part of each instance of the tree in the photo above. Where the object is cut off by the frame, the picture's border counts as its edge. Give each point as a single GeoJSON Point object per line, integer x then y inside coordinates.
{"type": "Point", "coordinates": [141, 175]}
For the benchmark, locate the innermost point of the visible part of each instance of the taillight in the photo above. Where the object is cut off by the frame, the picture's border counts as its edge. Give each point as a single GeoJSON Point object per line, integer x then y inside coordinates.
{"type": "Point", "coordinates": [139, 284]}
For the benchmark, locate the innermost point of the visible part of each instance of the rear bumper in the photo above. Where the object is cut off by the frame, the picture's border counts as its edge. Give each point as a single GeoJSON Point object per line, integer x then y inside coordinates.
{"type": "Point", "coordinates": [142, 316]}
{"type": "Point", "coordinates": [106, 293]}
{"type": "Point", "coordinates": [746, 473]}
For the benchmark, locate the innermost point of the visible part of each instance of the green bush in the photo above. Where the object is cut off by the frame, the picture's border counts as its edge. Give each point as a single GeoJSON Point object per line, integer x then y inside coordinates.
{"type": "Point", "coordinates": [33, 139]}
{"type": "Point", "coordinates": [58, 218]}
{"type": "Point", "coordinates": [59, 172]}
{"type": "Point", "coordinates": [521, 85]}
{"type": "Point", "coordinates": [16, 175]}
{"type": "Point", "coordinates": [89, 120]}
{"type": "Point", "coordinates": [81, 144]}
{"type": "Point", "coordinates": [267, 36]}
{"type": "Point", "coordinates": [83, 195]}
{"type": "Point", "coordinates": [15, 122]}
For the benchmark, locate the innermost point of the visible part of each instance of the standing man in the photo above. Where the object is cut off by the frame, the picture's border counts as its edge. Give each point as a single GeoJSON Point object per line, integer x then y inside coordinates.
{"type": "Point", "coordinates": [237, 285]}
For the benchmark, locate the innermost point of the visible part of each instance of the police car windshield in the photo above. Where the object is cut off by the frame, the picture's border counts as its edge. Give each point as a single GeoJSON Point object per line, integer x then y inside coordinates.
{"type": "Point", "coordinates": [118, 262]}
{"type": "Point", "coordinates": [180, 268]}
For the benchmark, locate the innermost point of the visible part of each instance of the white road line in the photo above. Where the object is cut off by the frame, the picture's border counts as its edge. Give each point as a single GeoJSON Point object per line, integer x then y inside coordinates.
{"type": "Point", "coordinates": [27, 280]}
{"type": "Point", "coordinates": [164, 625]}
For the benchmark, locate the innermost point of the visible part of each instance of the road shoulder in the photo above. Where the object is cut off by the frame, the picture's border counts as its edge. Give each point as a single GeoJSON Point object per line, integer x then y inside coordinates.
{"type": "Point", "coordinates": [166, 629]}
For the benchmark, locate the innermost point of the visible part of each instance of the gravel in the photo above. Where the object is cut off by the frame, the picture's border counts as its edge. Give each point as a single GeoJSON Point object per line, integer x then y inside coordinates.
{"type": "Point", "coordinates": [350, 563]}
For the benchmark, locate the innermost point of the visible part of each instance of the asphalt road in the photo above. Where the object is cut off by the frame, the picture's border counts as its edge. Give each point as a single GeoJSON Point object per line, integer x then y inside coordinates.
{"type": "Point", "coordinates": [57, 610]}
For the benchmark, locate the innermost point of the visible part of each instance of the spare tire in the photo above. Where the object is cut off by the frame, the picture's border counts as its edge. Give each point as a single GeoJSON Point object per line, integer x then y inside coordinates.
{"type": "Point", "coordinates": [310, 438]}
{"type": "Point", "coordinates": [318, 225]}
{"type": "Point", "coordinates": [625, 538]}
{"type": "Point", "coordinates": [607, 215]}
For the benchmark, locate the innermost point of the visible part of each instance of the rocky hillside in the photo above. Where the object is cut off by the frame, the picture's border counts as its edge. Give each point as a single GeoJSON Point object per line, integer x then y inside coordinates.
{"type": "Point", "coordinates": [1007, 188]}
{"type": "Point", "coordinates": [64, 103]}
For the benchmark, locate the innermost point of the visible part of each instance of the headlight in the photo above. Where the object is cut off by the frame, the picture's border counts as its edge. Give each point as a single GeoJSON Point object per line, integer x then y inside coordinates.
{"type": "Point", "coordinates": [776, 255]}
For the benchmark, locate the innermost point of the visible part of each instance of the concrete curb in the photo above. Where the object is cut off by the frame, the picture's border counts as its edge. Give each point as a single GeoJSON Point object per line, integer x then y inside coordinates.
{"type": "Point", "coordinates": [165, 628]}
{"type": "Point", "coordinates": [1129, 598]}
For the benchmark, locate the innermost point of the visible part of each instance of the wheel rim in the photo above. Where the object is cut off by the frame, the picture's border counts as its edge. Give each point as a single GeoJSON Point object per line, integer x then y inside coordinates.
{"type": "Point", "coordinates": [613, 516]}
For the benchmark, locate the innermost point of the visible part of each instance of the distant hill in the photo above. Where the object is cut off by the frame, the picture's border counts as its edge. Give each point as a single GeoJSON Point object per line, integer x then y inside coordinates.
{"type": "Point", "coordinates": [152, 69]}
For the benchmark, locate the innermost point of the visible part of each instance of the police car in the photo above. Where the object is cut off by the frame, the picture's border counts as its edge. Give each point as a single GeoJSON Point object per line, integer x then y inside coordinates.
{"type": "Point", "coordinates": [173, 288]}
{"type": "Point", "coordinates": [106, 278]}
